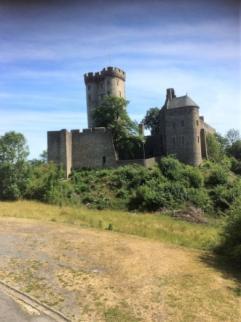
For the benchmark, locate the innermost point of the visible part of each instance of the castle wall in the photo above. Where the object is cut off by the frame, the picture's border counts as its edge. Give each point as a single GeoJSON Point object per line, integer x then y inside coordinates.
{"type": "Point", "coordinates": [183, 134]}
{"type": "Point", "coordinates": [60, 149]}
{"type": "Point", "coordinates": [149, 162]}
{"type": "Point", "coordinates": [154, 146]}
{"type": "Point", "coordinates": [92, 148]}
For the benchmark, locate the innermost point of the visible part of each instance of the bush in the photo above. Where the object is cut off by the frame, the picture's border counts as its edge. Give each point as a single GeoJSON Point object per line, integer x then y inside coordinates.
{"type": "Point", "coordinates": [13, 181]}
{"type": "Point", "coordinates": [151, 197]}
{"type": "Point", "coordinates": [217, 176]}
{"type": "Point", "coordinates": [224, 196]}
{"type": "Point", "coordinates": [147, 198]}
{"type": "Point", "coordinates": [42, 181]}
{"type": "Point", "coordinates": [230, 245]}
{"type": "Point", "coordinates": [236, 166]}
{"type": "Point", "coordinates": [193, 176]}
{"type": "Point", "coordinates": [200, 199]}
{"type": "Point", "coordinates": [171, 168]}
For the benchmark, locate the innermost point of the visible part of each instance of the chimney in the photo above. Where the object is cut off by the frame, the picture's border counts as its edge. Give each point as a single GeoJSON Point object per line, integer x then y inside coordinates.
{"type": "Point", "coordinates": [141, 128]}
{"type": "Point", "coordinates": [170, 94]}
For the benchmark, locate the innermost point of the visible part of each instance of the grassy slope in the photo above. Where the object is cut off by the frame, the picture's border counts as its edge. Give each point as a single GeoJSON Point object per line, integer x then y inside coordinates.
{"type": "Point", "coordinates": [158, 227]}
{"type": "Point", "coordinates": [142, 280]}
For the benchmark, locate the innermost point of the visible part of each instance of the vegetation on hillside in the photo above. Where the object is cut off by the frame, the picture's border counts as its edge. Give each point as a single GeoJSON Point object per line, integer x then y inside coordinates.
{"type": "Point", "coordinates": [214, 187]}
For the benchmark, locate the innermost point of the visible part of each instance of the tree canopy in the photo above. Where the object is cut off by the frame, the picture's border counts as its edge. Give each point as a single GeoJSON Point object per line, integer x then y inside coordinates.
{"type": "Point", "coordinates": [151, 120]}
{"type": "Point", "coordinates": [112, 114]}
{"type": "Point", "coordinates": [13, 165]}
{"type": "Point", "coordinates": [13, 148]}
{"type": "Point", "coordinates": [232, 136]}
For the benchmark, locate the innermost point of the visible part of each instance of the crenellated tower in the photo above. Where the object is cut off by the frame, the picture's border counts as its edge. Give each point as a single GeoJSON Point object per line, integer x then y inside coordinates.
{"type": "Point", "coordinates": [110, 81]}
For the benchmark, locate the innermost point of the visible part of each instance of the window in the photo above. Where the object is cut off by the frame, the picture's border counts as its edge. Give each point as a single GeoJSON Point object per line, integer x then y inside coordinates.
{"type": "Point", "coordinates": [103, 161]}
{"type": "Point", "coordinates": [89, 98]}
{"type": "Point", "coordinates": [120, 93]}
{"type": "Point", "coordinates": [174, 125]}
{"type": "Point", "coordinates": [182, 123]}
{"type": "Point", "coordinates": [108, 93]}
{"type": "Point", "coordinates": [182, 140]}
{"type": "Point", "coordinates": [198, 139]}
{"type": "Point", "coordinates": [117, 82]}
{"type": "Point", "coordinates": [108, 82]}
{"type": "Point", "coordinates": [89, 87]}
{"type": "Point", "coordinates": [174, 140]}
{"type": "Point", "coordinates": [197, 122]}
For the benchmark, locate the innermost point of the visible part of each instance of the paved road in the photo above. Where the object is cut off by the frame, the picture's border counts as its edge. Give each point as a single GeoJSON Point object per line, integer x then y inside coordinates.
{"type": "Point", "coordinates": [11, 311]}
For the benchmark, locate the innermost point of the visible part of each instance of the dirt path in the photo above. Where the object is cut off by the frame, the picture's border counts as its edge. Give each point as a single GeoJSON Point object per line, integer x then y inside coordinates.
{"type": "Point", "coordinates": [12, 311]}
{"type": "Point", "coordinates": [92, 275]}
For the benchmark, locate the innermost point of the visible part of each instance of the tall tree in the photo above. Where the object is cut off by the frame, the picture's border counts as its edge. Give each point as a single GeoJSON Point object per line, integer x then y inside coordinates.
{"type": "Point", "coordinates": [13, 165]}
{"type": "Point", "coordinates": [232, 136]}
{"type": "Point", "coordinates": [112, 114]}
{"type": "Point", "coordinates": [151, 120]}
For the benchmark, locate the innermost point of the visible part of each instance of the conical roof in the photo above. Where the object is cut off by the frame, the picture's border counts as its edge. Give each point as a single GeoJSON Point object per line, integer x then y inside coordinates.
{"type": "Point", "coordinates": [181, 101]}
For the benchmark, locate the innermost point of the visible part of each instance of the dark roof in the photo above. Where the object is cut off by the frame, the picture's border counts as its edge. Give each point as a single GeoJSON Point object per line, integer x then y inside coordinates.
{"type": "Point", "coordinates": [181, 101]}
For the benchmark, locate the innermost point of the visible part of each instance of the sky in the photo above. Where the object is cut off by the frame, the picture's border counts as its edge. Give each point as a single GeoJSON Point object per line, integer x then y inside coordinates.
{"type": "Point", "coordinates": [47, 46]}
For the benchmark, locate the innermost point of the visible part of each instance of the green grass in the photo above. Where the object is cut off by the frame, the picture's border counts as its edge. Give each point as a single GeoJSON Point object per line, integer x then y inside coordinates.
{"type": "Point", "coordinates": [154, 226]}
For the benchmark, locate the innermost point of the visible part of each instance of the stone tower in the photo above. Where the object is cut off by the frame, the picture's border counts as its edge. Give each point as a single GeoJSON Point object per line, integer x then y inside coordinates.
{"type": "Point", "coordinates": [182, 126]}
{"type": "Point", "coordinates": [110, 81]}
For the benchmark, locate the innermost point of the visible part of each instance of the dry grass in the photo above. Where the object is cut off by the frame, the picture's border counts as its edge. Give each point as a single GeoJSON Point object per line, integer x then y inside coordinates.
{"type": "Point", "coordinates": [93, 275]}
{"type": "Point", "coordinates": [155, 226]}
{"type": "Point", "coordinates": [101, 276]}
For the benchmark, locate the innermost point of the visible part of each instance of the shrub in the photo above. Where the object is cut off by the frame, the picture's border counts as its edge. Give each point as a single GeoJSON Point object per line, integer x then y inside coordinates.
{"type": "Point", "coordinates": [224, 196]}
{"type": "Point", "coordinates": [43, 179]}
{"type": "Point", "coordinates": [217, 176]}
{"type": "Point", "coordinates": [193, 176]}
{"type": "Point", "coordinates": [151, 197]}
{"type": "Point", "coordinates": [171, 168]}
{"type": "Point", "coordinates": [200, 199]}
{"type": "Point", "coordinates": [236, 166]}
{"type": "Point", "coordinates": [230, 245]}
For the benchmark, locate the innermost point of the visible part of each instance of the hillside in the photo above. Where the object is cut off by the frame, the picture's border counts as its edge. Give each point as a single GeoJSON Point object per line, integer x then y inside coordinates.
{"type": "Point", "coordinates": [100, 275]}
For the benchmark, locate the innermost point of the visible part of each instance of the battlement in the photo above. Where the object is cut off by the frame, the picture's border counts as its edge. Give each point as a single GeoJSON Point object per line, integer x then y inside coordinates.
{"type": "Point", "coordinates": [109, 71]}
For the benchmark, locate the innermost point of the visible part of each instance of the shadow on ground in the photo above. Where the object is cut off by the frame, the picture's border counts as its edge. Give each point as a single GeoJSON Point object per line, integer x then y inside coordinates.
{"type": "Point", "coordinates": [226, 267]}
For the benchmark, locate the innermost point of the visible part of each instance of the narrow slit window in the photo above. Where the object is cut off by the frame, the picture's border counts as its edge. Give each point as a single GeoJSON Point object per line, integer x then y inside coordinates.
{"type": "Point", "coordinates": [103, 161]}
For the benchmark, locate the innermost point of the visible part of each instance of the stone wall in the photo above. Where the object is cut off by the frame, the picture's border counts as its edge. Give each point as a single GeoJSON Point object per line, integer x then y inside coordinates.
{"type": "Point", "coordinates": [154, 146]}
{"type": "Point", "coordinates": [60, 149]}
{"type": "Point", "coordinates": [150, 162]}
{"type": "Point", "coordinates": [92, 148]}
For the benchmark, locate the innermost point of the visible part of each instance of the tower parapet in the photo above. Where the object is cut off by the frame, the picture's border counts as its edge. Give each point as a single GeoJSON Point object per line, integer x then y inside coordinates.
{"type": "Point", "coordinates": [105, 72]}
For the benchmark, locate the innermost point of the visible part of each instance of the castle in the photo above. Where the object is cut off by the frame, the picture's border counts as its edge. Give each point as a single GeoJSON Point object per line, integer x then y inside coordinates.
{"type": "Point", "coordinates": [181, 131]}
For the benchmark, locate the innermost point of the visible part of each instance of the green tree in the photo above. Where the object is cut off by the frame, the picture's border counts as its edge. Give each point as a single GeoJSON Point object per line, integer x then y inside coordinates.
{"type": "Point", "coordinates": [232, 136]}
{"type": "Point", "coordinates": [112, 114]}
{"type": "Point", "coordinates": [235, 150]}
{"type": "Point", "coordinates": [44, 156]}
{"type": "Point", "coordinates": [13, 165]}
{"type": "Point", "coordinates": [13, 148]}
{"type": "Point", "coordinates": [151, 120]}
{"type": "Point", "coordinates": [214, 147]}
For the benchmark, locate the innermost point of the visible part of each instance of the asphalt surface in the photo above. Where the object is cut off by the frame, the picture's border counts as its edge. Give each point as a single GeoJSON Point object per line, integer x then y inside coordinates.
{"type": "Point", "coordinates": [11, 311]}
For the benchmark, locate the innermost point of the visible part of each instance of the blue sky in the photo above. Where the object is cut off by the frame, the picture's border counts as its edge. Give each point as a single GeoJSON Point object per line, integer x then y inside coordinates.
{"type": "Point", "coordinates": [47, 46]}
